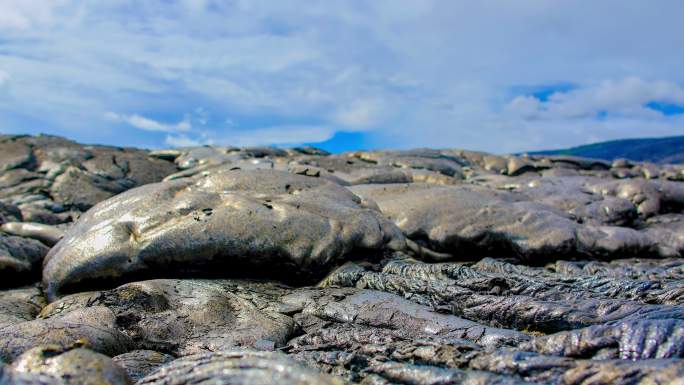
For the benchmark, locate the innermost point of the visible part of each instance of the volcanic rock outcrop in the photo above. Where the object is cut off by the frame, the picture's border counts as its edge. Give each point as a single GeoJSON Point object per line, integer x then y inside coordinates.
{"type": "Point", "coordinates": [235, 220]}
{"type": "Point", "coordinates": [263, 265]}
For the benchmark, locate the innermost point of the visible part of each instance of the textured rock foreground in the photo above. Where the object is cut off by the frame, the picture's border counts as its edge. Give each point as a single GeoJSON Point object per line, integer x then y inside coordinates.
{"type": "Point", "coordinates": [263, 265]}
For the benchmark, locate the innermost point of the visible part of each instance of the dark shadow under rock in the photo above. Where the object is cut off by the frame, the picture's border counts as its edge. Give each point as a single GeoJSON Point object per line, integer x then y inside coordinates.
{"type": "Point", "coordinates": [20, 259]}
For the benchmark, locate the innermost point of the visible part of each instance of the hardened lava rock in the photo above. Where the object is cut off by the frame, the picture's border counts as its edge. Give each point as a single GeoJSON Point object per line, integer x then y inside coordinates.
{"type": "Point", "coordinates": [360, 334]}
{"type": "Point", "coordinates": [52, 180]}
{"type": "Point", "coordinates": [237, 367]}
{"type": "Point", "coordinates": [469, 221]}
{"type": "Point", "coordinates": [77, 366]}
{"type": "Point", "coordinates": [139, 363]}
{"type": "Point", "coordinates": [20, 304]}
{"type": "Point", "coordinates": [186, 316]}
{"type": "Point", "coordinates": [268, 221]}
{"type": "Point", "coordinates": [10, 377]}
{"type": "Point", "coordinates": [93, 327]}
{"type": "Point", "coordinates": [48, 235]}
{"type": "Point", "coordinates": [502, 301]}
{"type": "Point", "coordinates": [214, 265]}
{"type": "Point", "coordinates": [377, 309]}
{"type": "Point", "coordinates": [20, 258]}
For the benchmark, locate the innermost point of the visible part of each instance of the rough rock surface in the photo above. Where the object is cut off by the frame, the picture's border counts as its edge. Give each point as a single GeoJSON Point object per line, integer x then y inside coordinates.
{"type": "Point", "coordinates": [139, 363]}
{"type": "Point", "coordinates": [93, 327]}
{"type": "Point", "coordinates": [237, 367]}
{"type": "Point", "coordinates": [262, 265]}
{"type": "Point", "coordinates": [73, 366]}
{"type": "Point", "coordinates": [52, 180]}
{"type": "Point", "coordinates": [19, 258]}
{"type": "Point", "coordinates": [181, 317]}
{"type": "Point", "coordinates": [20, 304]}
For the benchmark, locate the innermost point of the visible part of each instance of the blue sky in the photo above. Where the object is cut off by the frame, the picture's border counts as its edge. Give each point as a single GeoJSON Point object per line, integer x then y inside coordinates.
{"type": "Point", "coordinates": [499, 76]}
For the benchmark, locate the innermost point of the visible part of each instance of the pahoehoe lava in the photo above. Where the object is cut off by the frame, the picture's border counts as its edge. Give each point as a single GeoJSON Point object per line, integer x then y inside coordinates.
{"type": "Point", "coordinates": [261, 265]}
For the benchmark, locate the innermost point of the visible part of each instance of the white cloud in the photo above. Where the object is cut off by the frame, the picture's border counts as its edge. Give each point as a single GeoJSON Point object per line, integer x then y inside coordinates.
{"type": "Point", "coordinates": [148, 124]}
{"type": "Point", "coordinates": [280, 135]}
{"type": "Point", "coordinates": [201, 115]}
{"type": "Point", "coordinates": [427, 73]}
{"type": "Point", "coordinates": [25, 14]}
{"type": "Point", "coordinates": [182, 141]}
{"type": "Point", "coordinates": [286, 135]}
{"type": "Point", "coordinates": [624, 97]}
{"type": "Point", "coordinates": [4, 78]}
{"type": "Point", "coordinates": [361, 113]}
{"type": "Point", "coordinates": [525, 106]}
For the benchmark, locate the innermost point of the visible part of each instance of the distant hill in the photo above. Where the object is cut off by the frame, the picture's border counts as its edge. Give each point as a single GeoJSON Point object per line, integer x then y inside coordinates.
{"type": "Point", "coordinates": [658, 150]}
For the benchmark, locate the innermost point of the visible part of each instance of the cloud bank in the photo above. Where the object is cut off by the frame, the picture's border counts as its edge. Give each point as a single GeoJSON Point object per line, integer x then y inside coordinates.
{"type": "Point", "coordinates": [499, 76]}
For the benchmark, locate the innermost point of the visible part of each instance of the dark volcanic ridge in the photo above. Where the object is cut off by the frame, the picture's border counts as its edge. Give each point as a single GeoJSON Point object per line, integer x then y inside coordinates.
{"type": "Point", "coordinates": [222, 265]}
{"type": "Point", "coordinates": [656, 150]}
